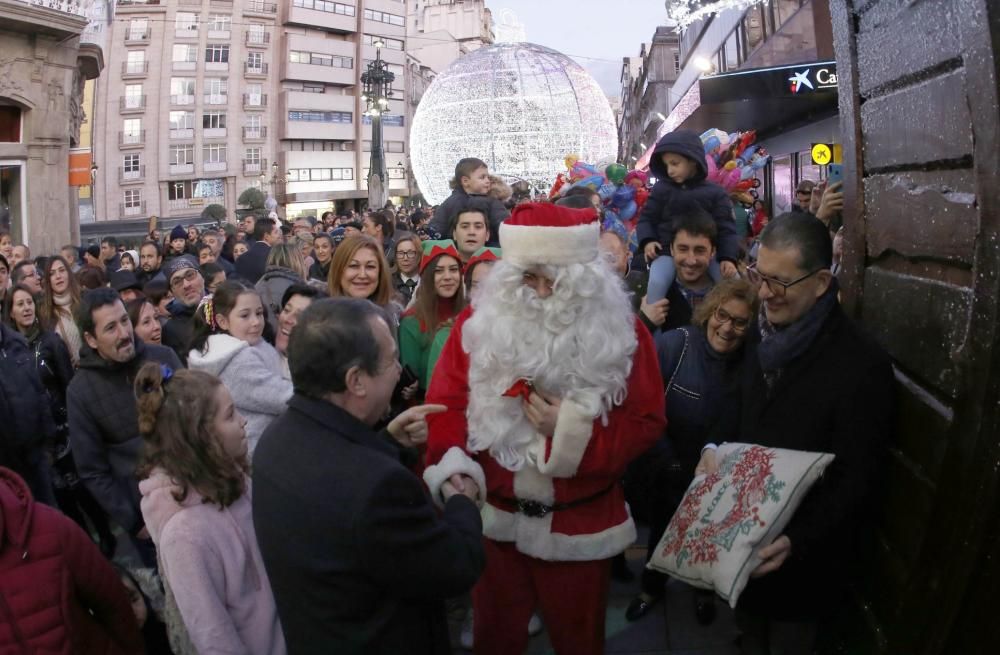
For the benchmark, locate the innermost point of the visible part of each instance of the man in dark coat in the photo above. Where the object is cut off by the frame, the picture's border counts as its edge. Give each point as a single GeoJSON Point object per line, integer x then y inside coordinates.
{"type": "Point", "coordinates": [358, 558]}
{"type": "Point", "coordinates": [103, 423]}
{"type": "Point", "coordinates": [812, 381]}
{"type": "Point", "coordinates": [251, 265]}
{"type": "Point", "coordinates": [188, 287]}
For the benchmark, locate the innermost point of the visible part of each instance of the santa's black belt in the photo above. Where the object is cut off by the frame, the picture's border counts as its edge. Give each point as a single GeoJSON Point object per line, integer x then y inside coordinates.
{"type": "Point", "coordinates": [537, 510]}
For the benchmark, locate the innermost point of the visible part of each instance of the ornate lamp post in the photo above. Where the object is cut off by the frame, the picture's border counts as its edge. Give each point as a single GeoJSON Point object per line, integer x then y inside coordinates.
{"type": "Point", "coordinates": [377, 90]}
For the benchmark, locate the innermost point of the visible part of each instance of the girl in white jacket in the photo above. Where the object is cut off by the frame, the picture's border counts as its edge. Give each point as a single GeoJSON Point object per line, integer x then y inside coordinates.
{"type": "Point", "coordinates": [228, 343]}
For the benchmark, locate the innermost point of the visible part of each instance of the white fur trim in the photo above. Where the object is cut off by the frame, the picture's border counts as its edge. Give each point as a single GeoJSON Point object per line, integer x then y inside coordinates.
{"type": "Point", "coordinates": [555, 246]}
{"type": "Point", "coordinates": [534, 536]}
{"type": "Point", "coordinates": [574, 427]}
{"type": "Point", "coordinates": [454, 461]}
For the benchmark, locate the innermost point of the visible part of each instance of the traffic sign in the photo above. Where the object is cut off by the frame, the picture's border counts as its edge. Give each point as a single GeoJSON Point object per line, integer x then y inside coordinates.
{"type": "Point", "coordinates": [822, 153]}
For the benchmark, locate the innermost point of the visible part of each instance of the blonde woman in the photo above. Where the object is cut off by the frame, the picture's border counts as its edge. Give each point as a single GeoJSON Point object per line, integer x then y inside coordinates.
{"type": "Point", "coordinates": [285, 267]}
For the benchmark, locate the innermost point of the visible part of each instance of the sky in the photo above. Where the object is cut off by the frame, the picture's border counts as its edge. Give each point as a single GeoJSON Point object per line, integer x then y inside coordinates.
{"type": "Point", "coordinates": [595, 33]}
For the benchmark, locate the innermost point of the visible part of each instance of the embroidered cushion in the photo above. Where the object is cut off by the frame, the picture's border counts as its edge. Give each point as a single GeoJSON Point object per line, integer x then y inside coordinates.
{"type": "Point", "coordinates": [724, 518]}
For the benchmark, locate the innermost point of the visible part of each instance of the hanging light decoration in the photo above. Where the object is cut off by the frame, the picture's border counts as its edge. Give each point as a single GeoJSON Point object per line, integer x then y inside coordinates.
{"type": "Point", "coordinates": [685, 12]}
{"type": "Point", "coordinates": [520, 107]}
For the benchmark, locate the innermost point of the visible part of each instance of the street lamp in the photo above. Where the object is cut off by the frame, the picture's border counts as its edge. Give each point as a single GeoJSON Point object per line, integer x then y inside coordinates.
{"type": "Point", "coordinates": [376, 91]}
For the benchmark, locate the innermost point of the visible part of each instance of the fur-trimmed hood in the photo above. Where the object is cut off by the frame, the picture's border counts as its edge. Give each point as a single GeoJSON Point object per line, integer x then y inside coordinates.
{"type": "Point", "coordinates": [219, 351]}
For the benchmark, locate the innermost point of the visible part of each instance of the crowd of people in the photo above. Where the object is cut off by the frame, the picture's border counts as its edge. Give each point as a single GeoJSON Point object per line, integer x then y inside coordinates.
{"type": "Point", "coordinates": [308, 438]}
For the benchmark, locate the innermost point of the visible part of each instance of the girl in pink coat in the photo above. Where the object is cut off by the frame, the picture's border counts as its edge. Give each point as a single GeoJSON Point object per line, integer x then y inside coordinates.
{"type": "Point", "coordinates": [196, 504]}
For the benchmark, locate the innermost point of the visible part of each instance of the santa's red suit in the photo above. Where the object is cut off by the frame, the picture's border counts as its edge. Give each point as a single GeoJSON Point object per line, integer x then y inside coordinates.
{"type": "Point", "coordinates": [554, 511]}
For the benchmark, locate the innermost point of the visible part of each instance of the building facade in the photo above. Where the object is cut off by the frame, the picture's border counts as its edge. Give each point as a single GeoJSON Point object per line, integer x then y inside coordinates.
{"type": "Point", "coordinates": [43, 68]}
{"type": "Point", "coordinates": [203, 99]}
{"type": "Point", "coordinates": [647, 82]}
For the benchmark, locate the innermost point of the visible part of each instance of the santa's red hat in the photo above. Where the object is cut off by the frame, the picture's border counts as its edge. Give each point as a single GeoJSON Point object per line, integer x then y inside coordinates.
{"type": "Point", "coordinates": [543, 233]}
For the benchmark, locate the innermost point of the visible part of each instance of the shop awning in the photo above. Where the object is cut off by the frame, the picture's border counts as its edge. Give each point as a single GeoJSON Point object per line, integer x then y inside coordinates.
{"type": "Point", "coordinates": [769, 100]}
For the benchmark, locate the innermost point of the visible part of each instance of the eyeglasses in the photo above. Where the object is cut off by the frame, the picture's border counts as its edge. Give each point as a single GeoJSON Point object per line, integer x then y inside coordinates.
{"type": "Point", "coordinates": [777, 287]}
{"type": "Point", "coordinates": [179, 281]}
{"type": "Point", "coordinates": [739, 324]}
{"type": "Point", "coordinates": [406, 254]}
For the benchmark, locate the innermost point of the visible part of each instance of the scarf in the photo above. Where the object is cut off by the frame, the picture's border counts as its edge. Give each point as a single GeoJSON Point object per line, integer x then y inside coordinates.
{"type": "Point", "coordinates": [66, 327]}
{"type": "Point", "coordinates": [780, 346]}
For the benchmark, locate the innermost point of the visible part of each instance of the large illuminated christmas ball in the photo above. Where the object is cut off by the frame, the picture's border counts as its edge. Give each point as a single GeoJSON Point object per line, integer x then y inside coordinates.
{"type": "Point", "coordinates": [520, 107]}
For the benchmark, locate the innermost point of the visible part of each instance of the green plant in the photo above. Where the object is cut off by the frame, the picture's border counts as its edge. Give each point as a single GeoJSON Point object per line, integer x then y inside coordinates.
{"type": "Point", "coordinates": [252, 198]}
{"type": "Point", "coordinates": [214, 212]}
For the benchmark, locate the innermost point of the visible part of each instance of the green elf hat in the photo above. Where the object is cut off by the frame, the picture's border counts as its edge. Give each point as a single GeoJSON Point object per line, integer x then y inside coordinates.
{"type": "Point", "coordinates": [484, 254]}
{"type": "Point", "coordinates": [434, 249]}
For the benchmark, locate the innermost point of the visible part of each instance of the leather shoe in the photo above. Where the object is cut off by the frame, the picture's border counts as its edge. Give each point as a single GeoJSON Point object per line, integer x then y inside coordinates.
{"type": "Point", "coordinates": [639, 607]}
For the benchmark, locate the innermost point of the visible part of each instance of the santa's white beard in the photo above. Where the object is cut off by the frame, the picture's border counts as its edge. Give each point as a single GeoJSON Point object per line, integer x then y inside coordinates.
{"type": "Point", "coordinates": [577, 343]}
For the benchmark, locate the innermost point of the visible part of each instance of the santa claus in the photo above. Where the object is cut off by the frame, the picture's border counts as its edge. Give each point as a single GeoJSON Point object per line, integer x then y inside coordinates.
{"type": "Point", "coordinates": [552, 387]}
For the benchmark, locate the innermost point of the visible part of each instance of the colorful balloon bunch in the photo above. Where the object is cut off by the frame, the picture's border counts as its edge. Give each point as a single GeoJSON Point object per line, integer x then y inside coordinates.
{"type": "Point", "coordinates": [623, 193]}
{"type": "Point", "coordinates": [733, 161]}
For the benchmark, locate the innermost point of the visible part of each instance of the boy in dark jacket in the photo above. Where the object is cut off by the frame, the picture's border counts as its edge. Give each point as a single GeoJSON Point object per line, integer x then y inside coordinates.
{"type": "Point", "coordinates": [678, 163]}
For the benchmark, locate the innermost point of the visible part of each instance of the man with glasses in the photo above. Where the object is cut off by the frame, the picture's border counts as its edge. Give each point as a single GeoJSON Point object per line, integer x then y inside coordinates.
{"type": "Point", "coordinates": [188, 288]}
{"type": "Point", "coordinates": [812, 381]}
{"type": "Point", "coordinates": [24, 272]}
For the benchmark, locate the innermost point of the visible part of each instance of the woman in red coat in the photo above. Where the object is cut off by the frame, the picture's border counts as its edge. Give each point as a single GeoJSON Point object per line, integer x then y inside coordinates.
{"type": "Point", "coordinates": [57, 593]}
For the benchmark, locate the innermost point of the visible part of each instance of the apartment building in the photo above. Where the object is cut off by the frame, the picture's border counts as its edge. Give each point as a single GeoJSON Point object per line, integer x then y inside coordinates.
{"type": "Point", "coordinates": [647, 81]}
{"type": "Point", "coordinates": [203, 99]}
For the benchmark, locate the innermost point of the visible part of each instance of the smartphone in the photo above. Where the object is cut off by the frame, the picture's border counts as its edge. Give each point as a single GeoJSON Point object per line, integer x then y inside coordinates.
{"type": "Point", "coordinates": [835, 174]}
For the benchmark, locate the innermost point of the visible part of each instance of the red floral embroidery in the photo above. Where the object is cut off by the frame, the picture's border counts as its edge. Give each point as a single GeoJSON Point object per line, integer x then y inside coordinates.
{"type": "Point", "coordinates": [745, 480]}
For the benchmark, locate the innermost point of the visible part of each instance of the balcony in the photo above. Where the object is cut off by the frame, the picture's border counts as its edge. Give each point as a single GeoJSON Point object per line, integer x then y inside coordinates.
{"type": "Point", "coordinates": [182, 133]}
{"type": "Point", "coordinates": [193, 3]}
{"type": "Point", "coordinates": [132, 104]}
{"type": "Point", "coordinates": [137, 37]}
{"type": "Point", "coordinates": [181, 204]}
{"type": "Point", "coordinates": [254, 133]}
{"type": "Point", "coordinates": [222, 35]}
{"type": "Point", "coordinates": [181, 100]}
{"type": "Point", "coordinates": [254, 167]}
{"type": "Point", "coordinates": [132, 209]}
{"type": "Point", "coordinates": [214, 133]}
{"type": "Point", "coordinates": [254, 101]}
{"type": "Point", "coordinates": [254, 70]}
{"type": "Point", "coordinates": [257, 39]}
{"type": "Point", "coordinates": [135, 68]}
{"type": "Point", "coordinates": [258, 7]}
{"type": "Point", "coordinates": [186, 32]}
{"type": "Point", "coordinates": [182, 169]}
{"type": "Point", "coordinates": [216, 99]}
{"type": "Point", "coordinates": [184, 65]}
{"type": "Point", "coordinates": [131, 175]}
{"type": "Point", "coordinates": [132, 139]}
{"type": "Point", "coordinates": [216, 65]}
{"type": "Point", "coordinates": [214, 166]}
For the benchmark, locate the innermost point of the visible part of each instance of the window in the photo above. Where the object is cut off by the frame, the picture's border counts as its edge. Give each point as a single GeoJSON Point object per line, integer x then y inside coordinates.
{"type": "Point", "coordinates": [677, 62]}
{"type": "Point", "coordinates": [320, 174]}
{"type": "Point", "coordinates": [185, 53]}
{"type": "Point", "coordinates": [389, 120]}
{"type": "Point", "coordinates": [182, 120]}
{"type": "Point", "coordinates": [255, 61]}
{"type": "Point", "coordinates": [390, 44]}
{"type": "Point", "coordinates": [323, 5]}
{"type": "Point", "coordinates": [132, 127]}
{"type": "Point", "coordinates": [137, 29]}
{"type": "Point", "coordinates": [320, 145]}
{"type": "Point", "coordinates": [212, 120]}
{"type": "Point", "coordinates": [384, 17]}
{"type": "Point", "coordinates": [180, 155]}
{"type": "Point", "coordinates": [179, 190]}
{"type": "Point", "coordinates": [133, 198]}
{"type": "Point", "coordinates": [214, 153]}
{"type": "Point", "coordinates": [182, 90]}
{"type": "Point", "coordinates": [219, 23]}
{"type": "Point", "coordinates": [389, 146]}
{"type": "Point", "coordinates": [217, 53]}
{"type": "Point", "coordinates": [256, 33]}
{"type": "Point", "coordinates": [321, 116]}
{"type": "Point", "coordinates": [216, 89]}
{"type": "Point", "coordinates": [253, 122]}
{"type": "Point", "coordinates": [135, 61]}
{"type": "Point", "coordinates": [253, 156]}
{"type": "Point", "coordinates": [313, 88]}
{"type": "Point", "coordinates": [255, 94]}
{"type": "Point", "coordinates": [130, 164]}
{"type": "Point", "coordinates": [133, 96]}
{"type": "Point", "coordinates": [320, 59]}
{"type": "Point", "coordinates": [186, 22]}
{"type": "Point", "coordinates": [10, 124]}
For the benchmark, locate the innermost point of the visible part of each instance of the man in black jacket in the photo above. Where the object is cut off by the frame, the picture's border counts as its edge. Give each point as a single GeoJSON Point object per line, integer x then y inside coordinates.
{"type": "Point", "coordinates": [812, 381]}
{"type": "Point", "coordinates": [103, 424]}
{"type": "Point", "coordinates": [266, 233]}
{"type": "Point", "coordinates": [188, 287]}
{"type": "Point", "coordinates": [358, 559]}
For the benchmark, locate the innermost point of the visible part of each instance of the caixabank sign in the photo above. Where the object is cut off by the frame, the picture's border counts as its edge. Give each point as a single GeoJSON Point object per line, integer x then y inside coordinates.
{"type": "Point", "coordinates": [799, 81]}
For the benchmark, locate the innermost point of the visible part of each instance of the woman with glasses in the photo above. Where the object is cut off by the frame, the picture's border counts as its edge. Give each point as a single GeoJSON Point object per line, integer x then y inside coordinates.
{"type": "Point", "coordinates": [407, 275]}
{"type": "Point", "coordinates": [697, 362]}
